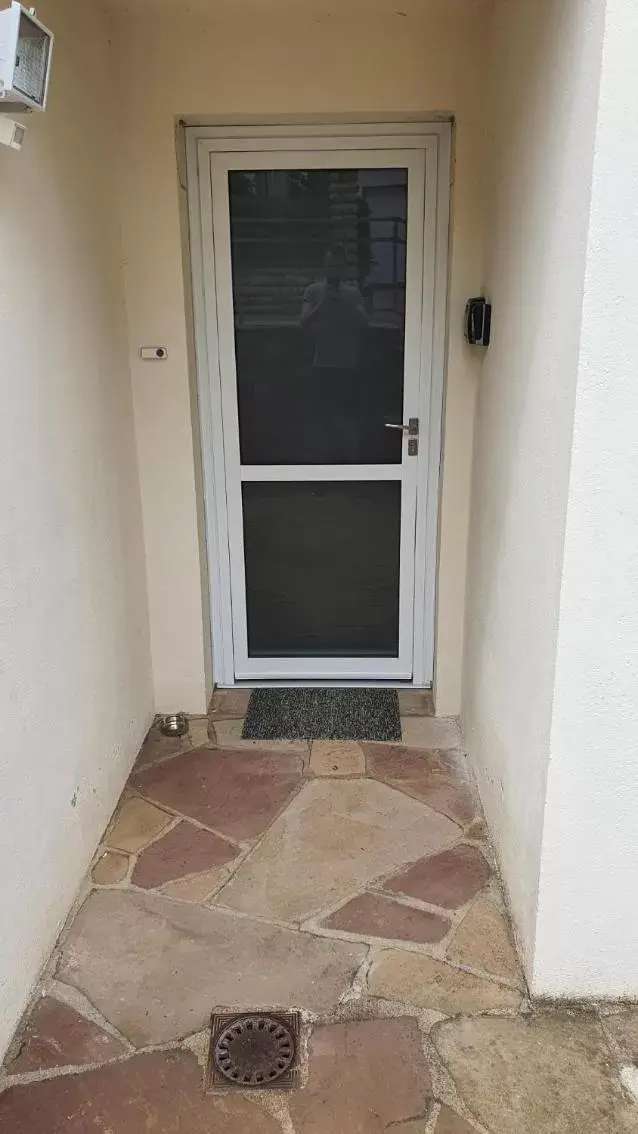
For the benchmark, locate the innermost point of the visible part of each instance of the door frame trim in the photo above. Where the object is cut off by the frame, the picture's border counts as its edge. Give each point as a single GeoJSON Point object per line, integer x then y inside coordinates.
{"type": "Point", "coordinates": [200, 140]}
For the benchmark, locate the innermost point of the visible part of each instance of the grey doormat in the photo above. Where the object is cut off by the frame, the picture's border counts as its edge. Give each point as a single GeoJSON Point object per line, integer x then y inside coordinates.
{"type": "Point", "coordinates": [323, 714]}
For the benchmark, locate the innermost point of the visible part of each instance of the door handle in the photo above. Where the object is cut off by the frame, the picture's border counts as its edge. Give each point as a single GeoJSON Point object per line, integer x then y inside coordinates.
{"type": "Point", "coordinates": [412, 428]}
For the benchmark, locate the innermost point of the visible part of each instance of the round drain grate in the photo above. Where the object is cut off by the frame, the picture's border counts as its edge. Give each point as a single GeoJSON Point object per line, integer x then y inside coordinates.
{"type": "Point", "coordinates": [254, 1050]}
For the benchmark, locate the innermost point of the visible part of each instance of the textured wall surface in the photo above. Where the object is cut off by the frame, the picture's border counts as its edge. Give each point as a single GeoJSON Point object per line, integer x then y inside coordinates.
{"type": "Point", "coordinates": [587, 936]}
{"type": "Point", "coordinates": [244, 59]}
{"type": "Point", "coordinates": [75, 684]}
{"type": "Point", "coordinates": [544, 70]}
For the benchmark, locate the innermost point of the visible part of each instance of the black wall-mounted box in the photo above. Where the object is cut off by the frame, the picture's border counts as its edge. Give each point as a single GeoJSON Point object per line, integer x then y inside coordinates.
{"type": "Point", "coordinates": [478, 321]}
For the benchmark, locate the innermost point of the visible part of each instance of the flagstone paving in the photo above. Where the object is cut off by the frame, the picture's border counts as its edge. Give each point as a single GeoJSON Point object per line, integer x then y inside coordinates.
{"type": "Point", "coordinates": [431, 775]}
{"type": "Point", "coordinates": [483, 941]}
{"type": "Point", "coordinates": [623, 1026]}
{"type": "Point", "coordinates": [449, 880]}
{"type": "Point", "coordinates": [450, 1123]}
{"type": "Point", "coordinates": [136, 823]}
{"type": "Point", "coordinates": [373, 915]}
{"type": "Point", "coordinates": [354, 882]}
{"type": "Point", "coordinates": [413, 978]}
{"type": "Point", "coordinates": [236, 793]}
{"type": "Point", "coordinates": [186, 849]}
{"type": "Point", "coordinates": [416, 703]}
{"type": "Point", "coordinates": [157, 748]}
{"type": "Point", "coordinates": [337, 758]}
{"type": "Point", "coordinates": [58, 1036]}
{"type": "Point", "coordinates": [335, 836]}
{"type": "Point", "coordinates": [522, 1075]}
{"type": "Point", "coordinates": [155, 1092]}
{"type": "Point", "coordinates": [381, 1071]}
{"type": "Point", "coordinates": [111, 867]}
{"type": "Point", "coordinates": [155, 967]}
{"type": "Point", "coordinates": [229, 704]}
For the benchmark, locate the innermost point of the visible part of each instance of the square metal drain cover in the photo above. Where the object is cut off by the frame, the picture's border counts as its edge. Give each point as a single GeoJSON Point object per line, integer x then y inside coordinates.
{"type": "Point", "coordinates": [253, 1050]}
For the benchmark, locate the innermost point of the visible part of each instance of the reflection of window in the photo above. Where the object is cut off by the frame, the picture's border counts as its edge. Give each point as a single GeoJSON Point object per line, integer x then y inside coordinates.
{"type": "Point", "coordinates": [282, 222]}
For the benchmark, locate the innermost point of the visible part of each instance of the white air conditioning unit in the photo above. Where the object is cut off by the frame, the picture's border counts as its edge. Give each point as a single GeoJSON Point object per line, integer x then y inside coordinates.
{"type": "Point", "coordinates": [25, 60]}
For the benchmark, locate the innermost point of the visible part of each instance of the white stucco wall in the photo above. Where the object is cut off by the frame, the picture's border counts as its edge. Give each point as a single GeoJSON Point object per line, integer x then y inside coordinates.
{"type": "Point", "coordinates": [587, 935]}
{"type": "Point", "coordinates": [75, 687]}
{"type": "Point", "coordinates": [545, 60]}
{"type": "Point", "coordinates": [246, 59]}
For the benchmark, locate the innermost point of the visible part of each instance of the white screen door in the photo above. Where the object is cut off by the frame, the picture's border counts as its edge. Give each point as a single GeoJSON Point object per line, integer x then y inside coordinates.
{"type": "Point", "coordinates": [317, 262]}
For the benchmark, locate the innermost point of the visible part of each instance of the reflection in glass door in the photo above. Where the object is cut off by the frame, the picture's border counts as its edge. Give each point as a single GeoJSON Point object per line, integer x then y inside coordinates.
{"type": "Point", "coordinates": [319, 270]}
{"type": "Point", "coordinates": [318, 277]}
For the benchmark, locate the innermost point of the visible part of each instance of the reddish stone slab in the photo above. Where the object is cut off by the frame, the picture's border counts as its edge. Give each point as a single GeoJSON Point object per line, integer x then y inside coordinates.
{"type": "Point", "coordinates": [237, 793]}
{"type": "Point", "coordinates": [449, 879]}
{"type": "Point", "coordinates": [58, 1036]}
{"type": "Point", "coordinates": [160, 1092]}
{"type": "Point", "coordinates": [428, 774]}
{"type": "Point", "coordinates": [186, 849]}
{"type": "Point", "coordinates": [372, 915]}
{"type": "Point", "coordinates": [364, 1077]}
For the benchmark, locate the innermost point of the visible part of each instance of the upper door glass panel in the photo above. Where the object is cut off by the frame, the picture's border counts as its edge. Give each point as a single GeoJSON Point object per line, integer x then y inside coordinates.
{"type": "Point", "coordinates": [319, 283]}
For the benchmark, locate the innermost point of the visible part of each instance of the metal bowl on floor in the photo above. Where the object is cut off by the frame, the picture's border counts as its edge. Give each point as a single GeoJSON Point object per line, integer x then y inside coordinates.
{"type": "Point", "coordinates": [174, 724]}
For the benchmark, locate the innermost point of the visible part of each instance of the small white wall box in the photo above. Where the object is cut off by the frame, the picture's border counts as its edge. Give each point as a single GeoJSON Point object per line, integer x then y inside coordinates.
{"type": "Point", "coordinates": [25, 60]}
{"type": "Point", "coordinates": [12, 133]}
{"type": "Point", "coordinates": [153, 353]}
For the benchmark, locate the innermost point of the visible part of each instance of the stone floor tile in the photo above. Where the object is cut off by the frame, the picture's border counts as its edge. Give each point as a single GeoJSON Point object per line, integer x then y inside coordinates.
{"type": "Point", "coordinates": [424, 982]}
{"type": "Point", "coordinates": [431, 775]}
{"type": "Point", "coordinates": [136, 823]}
{"type": "Point", "coordinates": [332, 839]}
{"type": "Point", "coordinates": [229, 703]}
{"type": "Point", "coordinates": [186, 849]}
{"type": "Point", "coordinates": [198, 732]}
{"type": "Point", "coordinates": [478, 830]}
{"type": "Point", "coordinates": [623, 1026]}
{"type": "Point", "coordinates": [629, 1080]}
{"type": "Point", "coordinates": [157, 747]}
{"type": "Point", "coordinates": [364, 1077]}
{"type": "Point", "coordinates": [450, 1123]}
{"type": "Point", "coordinates": [57, 1036]}
{"type": "Point", "coordinates": [448, 880]}
{"type": "Point", "coordinates": [155, 967]}
{"type": "Point", "coordinates": [372, 915]}
{"type": "Point", "coordinates": [416, 703]}
{"type": "Point", "coordinates": [405, 762]}
{"type": "Point", "coordinates": [110, 868]}
{"type": "Point", "coordinates": [337, 758]}
{"type": "Point", "coordinates": [159, 1092]}
{"type": "Point", "coordinates": [548, 1074]}
{"type": "Point", "coordinates": [197, 888]}
{"type": "Point", "coordinates": [483, 941]}
{"type": "Point", "coordinates": [237, 793]}
{"type": "Point", "coordinates": [228, 734]}
{"type": "Point", "coordinates": [430, 732]}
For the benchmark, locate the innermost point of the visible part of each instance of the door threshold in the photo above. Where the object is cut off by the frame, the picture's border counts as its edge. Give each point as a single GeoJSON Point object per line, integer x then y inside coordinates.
{"type": "Point", "coordinates": [321, 684]}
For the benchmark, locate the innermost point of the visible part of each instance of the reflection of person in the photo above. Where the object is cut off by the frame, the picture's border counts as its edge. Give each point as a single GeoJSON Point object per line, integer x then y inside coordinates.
{"type": "Point", "coordinates": [333, 310]}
